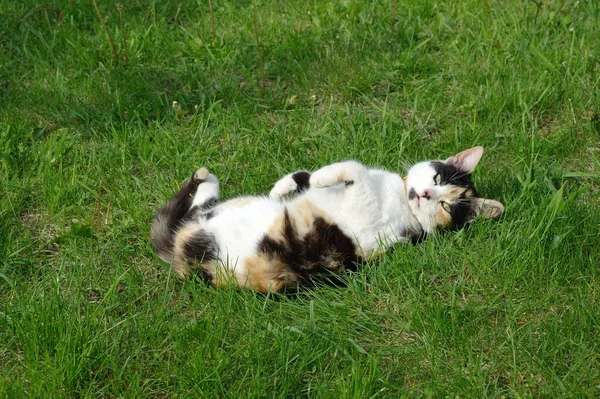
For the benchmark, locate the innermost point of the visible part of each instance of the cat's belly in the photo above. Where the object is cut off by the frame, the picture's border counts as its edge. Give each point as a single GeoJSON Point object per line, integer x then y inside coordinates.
{"type": "Point", "coordinates": [238, 226]}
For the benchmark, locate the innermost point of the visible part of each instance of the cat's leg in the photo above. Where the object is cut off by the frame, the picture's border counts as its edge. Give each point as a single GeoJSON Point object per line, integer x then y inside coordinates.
{"type": "Point", "coordinates": [198, 195]}
{"type": "Point", "coordinates": [206, 196]}
{"type": "Point", "coordinates": [182, 208]}
{"type": "Point", "coordinates": [296, 182]}
{"type": "Point", "coordinates": [360, 205]}
{"type": "Point", "coordinates": [195, 250]}
{"type": "Point", "coordinates": [348, 172]}
{"type": "Point", "coordinates": [359, 196]}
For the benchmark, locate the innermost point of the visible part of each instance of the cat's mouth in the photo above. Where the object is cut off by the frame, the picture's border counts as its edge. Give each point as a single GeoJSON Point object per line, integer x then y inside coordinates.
{"type": "Point", "coordinates": [413, 196]}
{"type": "Point", "coordinates": [417, 201]}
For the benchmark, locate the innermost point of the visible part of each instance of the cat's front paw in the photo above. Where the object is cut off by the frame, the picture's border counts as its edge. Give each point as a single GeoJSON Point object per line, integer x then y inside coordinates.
{"type": "Point", "coordinates": [283, 188]}
{"type": "Point", "coordinates": [324, 177]}
{"type": "Point", "coordinates": [333, 174]}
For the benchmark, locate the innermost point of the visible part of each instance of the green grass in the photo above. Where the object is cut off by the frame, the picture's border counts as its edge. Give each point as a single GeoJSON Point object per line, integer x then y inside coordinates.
{"type": "Point", "coordinates": [90, 148]}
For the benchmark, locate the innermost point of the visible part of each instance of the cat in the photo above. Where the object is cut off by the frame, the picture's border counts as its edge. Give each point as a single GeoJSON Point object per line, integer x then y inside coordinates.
{"type": "Point", "coordinates": [313, 223]}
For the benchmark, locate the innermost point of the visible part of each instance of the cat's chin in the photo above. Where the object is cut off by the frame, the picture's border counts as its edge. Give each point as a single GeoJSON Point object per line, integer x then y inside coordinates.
{"type": "Point", "coordinates": [422, 217]}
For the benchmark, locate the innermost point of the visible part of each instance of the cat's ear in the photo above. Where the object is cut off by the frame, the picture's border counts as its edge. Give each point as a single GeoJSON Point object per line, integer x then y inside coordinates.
{"type": "Point", "coordinates": [488, 208]}
{"type": "Point", "coordinates": [466, 160]}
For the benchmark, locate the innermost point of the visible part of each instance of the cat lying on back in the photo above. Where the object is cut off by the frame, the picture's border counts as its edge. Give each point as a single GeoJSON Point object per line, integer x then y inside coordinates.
{"type": "Point", "coordinates": [313, 223]}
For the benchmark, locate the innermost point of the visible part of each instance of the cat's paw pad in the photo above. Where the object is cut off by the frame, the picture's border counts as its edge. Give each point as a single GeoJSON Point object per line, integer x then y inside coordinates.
{"type": "Point", "coordinates": [200, 175]}
{"type": "Point", "coordinates": [283, 188]}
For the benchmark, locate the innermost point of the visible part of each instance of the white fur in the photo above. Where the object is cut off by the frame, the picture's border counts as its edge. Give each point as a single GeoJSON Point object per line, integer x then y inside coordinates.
{"type": "Point", "coordinates": [207, 190]}
{"type": "Point", "coordinates": [283, 188]}
{"type": "Point", "coordinates": [420, 178]}
{"type": "Point", "coordinates": [238, 229]}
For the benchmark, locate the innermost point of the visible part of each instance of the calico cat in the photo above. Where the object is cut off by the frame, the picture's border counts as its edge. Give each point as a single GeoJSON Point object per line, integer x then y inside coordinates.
{"type": "Point", "coordinates": [313, 223]}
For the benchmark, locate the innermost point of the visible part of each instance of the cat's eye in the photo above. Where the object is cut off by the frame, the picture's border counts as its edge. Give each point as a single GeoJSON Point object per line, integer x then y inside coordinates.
{"type": "Point", "coordinates": [436, 179]}
{"type": "Point", "coordinates": [446, 206]}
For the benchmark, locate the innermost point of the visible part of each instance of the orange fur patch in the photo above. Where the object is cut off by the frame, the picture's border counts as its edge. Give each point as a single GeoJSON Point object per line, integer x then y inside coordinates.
{"type": "Point", "coordinates": [443, 218]}
{"type": "Point", "coordinates": [184, 268]}
{"type": "Point", "coordinates": [183, 235]}
{"type": "Point", "coordinates": [237, 202]}
{"type": "Point", "coordinates": [303, 214]}
{"type": "Point", "coordinates": [454, 193]}
{"type": "Point", "coordinates": [266, 274]}
{"type": "Point", "coordinates": [276, 228]}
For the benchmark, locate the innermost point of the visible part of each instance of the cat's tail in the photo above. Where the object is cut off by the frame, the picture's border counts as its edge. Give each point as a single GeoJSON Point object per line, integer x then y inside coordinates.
{"type": "Point", "coordinates": [170, 219]}
{"type": "Point", "coordinates": [161, 234]}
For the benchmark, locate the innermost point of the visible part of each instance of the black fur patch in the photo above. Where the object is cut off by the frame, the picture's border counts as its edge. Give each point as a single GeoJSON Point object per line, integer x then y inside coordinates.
{"type": "Point", "coordinates": [324, 248]}
{"type": "Point", "coordinates": [190, 215]}
{"type": "Point", "coordinates": [412, 194]}
{"type": "Point", "coordinates": [326, 244]}
{"type": "Point", "coordinates": [201, 247]}
{"type": "Point", "coordinates": [180, 204]}
{"type": "Point", "coordinates": [417, 238]}
{"type": "Point", "coordinates": [302, 179]}
{"type": "Point", "coordinates": [209, 204]}
{"type": "Point", "coordinates": [462, 210]}
{"type": "Point", "coordinates": [169, 219]}
{"type": "Point", "coordinates": [206, 208]}
{"type": "Point", "coordinates": [450, 174]}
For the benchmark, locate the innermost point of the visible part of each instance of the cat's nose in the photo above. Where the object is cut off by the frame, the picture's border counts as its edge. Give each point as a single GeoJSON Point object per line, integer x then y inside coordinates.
{"type": "Point", "coordinates": [425, 194]}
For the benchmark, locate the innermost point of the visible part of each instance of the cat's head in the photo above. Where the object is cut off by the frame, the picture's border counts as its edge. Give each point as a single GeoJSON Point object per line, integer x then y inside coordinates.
{"type": "Point", "coordinates": [441, 194]}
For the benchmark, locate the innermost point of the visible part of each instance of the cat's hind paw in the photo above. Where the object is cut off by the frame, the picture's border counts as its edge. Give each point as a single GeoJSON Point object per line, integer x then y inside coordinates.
{"type": "Point", "coordinates": [200, 175]}
{"type": "Point", "coordinates": [207, 187]}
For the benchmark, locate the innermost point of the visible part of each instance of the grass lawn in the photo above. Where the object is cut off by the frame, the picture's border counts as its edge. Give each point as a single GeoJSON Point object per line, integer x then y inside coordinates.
{"type": "Point", "coordinates": [91, 147]}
